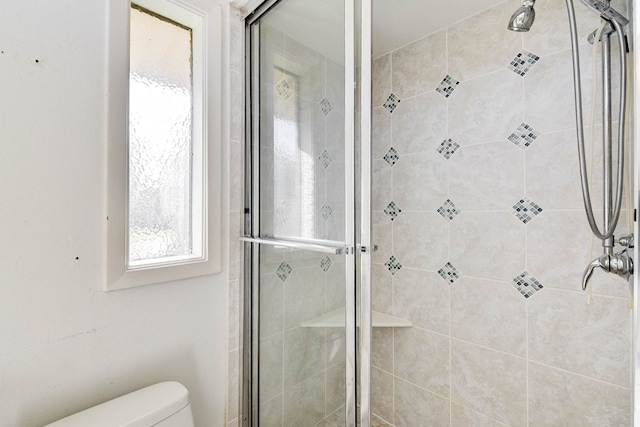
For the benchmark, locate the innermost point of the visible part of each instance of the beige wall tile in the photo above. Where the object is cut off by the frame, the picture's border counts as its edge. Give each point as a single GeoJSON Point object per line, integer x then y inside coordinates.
{"type": "Point", "coordinates": [303, 354]}
{"type": "Point", "coordinates": [382, 394]}
{"type": "Point", "coordinates": [381, 235]}
{"type": "Point", "coordinates": [382, 349]}
{"type": "Point", "coordinates": [413, 403]}
{"type": "Point", "coordinates": [488, 108]}
{"type": "Point", "coordinates": [420, 66]}
{"type": "Point", "coordinates": [489, 313]}
{"type": "Point", "coordinates": [461, 416]}
{"type": "Point", "coordinates": [489, 382]}
{"type": "Point", "coordinates": [381, 185]}
{"type": "Point", "coordinates": [422, 357]}
{"type": "Point", "coordinates": [419, 124]}
{"type": "Point", "coordinates": [558, 186]}
{"type": "Point", "coordinates": [380, 132]}
{"type": "Point", "coordinates": [271, 369]}
{"type": "Point", "coordinates": [304, 296]}
{"type": "Point", "coordinates": [478, 250]}
{"type": "Point", "coordinates": [382, 289]}
{"type": "Point", "coordinates": [381, 72]}
{"type": "Point", "coordinates": [271, 412]}
{"type": "Point", "coordinates": [548, 92]}
{"type": "Point", "coordinates": [303, 405]}
{"type": "Point", "coordinates": [589, 339]}
{"type": "Point", "coordinates": [550, 33]}
{"type": "Point", "coordinates": [481, 44]}
{"type": "Point", "coordinates": [420, 181]}
{"type": "Point", "coordinates": [423, 298]}
{"type": "Point", "coordinates": [487, 176]}
{"type": "Point", "coordinates": [560, 398]}
{"type": "Point", "coordinates": [420, 240]}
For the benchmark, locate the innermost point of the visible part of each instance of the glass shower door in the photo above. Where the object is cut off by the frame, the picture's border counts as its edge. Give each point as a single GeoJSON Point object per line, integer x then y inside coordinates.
{"type": "Point", "coordinates": [299, 228]}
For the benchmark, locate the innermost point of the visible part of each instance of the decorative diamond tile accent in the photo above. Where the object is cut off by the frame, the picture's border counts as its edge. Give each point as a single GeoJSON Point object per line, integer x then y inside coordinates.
{"type": "Point", "coordinates": [391, 103]}
{"type": "Point", "coordinates": [448, 210]}
{"type": "Point", "coordinates": [524, 136]}
{"type": "Point", "coordinates": [526, 284]}
{"type": "Point", "coordinates": [284, 270]}
{"type": "Point", "coordinates": [326, 106]}
{"type": "Point", "coordinates": [326, 211]}
{"type": "Point", "coordinates": [325, 263]}
{"type": "Point", "coordinates": [284, 89]}
{"type": "Point", "coordinates": [448, 147]}
{"type": "Point", "coordinates": [449, 273]}
{"type": "Point", "coordinates": [325, 158]}
{"type": "Point", "coordinates": [447, 86]}
{"type": "Point", "coordinates": [523, 62]}
{"type": "Point", "coordinates": [392, 156]}
{"type": "Point", "coordinates": [526, 210]}
{"type": "Point", "coordinates": [393, 265]}
{"type": "Point", "coordinates": [392, 210]}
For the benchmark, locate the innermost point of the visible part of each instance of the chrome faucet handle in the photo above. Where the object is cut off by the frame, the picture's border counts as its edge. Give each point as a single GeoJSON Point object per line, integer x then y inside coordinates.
{"type": "Point", "coordinates": [588, 272]}
{"type": "Point", "coordinates": [620, 264]}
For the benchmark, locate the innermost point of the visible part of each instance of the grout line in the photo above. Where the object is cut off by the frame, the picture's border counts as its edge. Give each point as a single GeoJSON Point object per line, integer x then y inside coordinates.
{"type": "Point", "coordinates": [580, 375]}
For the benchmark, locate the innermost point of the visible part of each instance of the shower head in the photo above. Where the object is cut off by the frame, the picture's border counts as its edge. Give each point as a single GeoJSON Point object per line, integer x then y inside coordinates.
{"type": "Point", "coordinates": [523, 18]}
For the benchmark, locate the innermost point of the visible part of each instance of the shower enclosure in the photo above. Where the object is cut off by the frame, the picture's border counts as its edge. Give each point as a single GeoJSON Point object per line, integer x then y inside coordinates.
{"type": "Point", "coordinates": [415, 238]}
{"type": "Point", "coordinates": [301, 220]}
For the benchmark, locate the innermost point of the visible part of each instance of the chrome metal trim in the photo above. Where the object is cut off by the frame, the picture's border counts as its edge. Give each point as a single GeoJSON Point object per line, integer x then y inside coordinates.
{"type": "Point", "coordinates": [302, 245]}
{"type": "Point", "coordinates": [247, 327]}
{"type": "Point", "coordinates": [635, 118]}
{"type": "Point", "coordinates": [367, 249]}
{"type": "Point", "coordinates": [260, 10]}
{"type": "Point", "coordinates": [349, 161]}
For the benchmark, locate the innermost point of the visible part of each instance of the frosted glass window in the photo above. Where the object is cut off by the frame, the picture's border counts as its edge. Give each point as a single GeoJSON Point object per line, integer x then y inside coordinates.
{"type": "Point", "coordinates": [160, 141]}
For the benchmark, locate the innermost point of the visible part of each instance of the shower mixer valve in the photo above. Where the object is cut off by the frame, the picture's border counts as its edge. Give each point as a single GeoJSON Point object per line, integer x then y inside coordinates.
{"type": "Point", "coordinates": [619, 263]}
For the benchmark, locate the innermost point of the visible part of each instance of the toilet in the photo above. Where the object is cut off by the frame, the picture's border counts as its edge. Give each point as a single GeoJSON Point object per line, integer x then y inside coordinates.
{"type": "Point", "coordinates": [160, 405]}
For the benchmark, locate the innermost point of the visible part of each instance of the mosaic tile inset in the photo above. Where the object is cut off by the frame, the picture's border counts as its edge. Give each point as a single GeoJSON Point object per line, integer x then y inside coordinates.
{"type": "Point", "coordinates": [284, 270]}
{"type": "Point", "coordinates": [391, 103]}
{"type": "Point", "coordinates": [326, 106]}
{"type": "Point", "coordinates": [449, 273]}
{"type": "Point", "coordinates": [393, 265]}
{"type": "Point", "coordinates": [325, 158]}
{"type": "Point", "coordinates": [448, 210]}
{"type": "Point", "coordinates": [524, 136]}
{"type": "Point", "coordinates": [326, 211]}
{"type": "Point", "coordinates": [526, 284]}
{"type": "Point", "coordinates": [284, 89]}
{"type": "Point", "coordinates": [523, 62]}
{"type": "Point", "coordinates": [447, 86]}
{"type": "Point", "coordinates": [448, 147]}
{"type": "Point", "coordinates": [391, 157]}
{"type": "Point", "coordinates": [325, 263]}
{"type": "Point", "coordinates": [525, 210]}
{"type": "Point", "coordinates": [392, 210]}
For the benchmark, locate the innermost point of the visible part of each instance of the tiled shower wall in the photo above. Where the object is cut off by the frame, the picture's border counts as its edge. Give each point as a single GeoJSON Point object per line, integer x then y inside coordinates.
{"type": "Point", "coordinates": [482, 236]}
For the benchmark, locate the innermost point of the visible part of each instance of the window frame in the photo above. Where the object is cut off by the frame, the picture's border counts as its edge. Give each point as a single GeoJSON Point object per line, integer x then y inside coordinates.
{"type": "Point", "coordinates": [207, 89]}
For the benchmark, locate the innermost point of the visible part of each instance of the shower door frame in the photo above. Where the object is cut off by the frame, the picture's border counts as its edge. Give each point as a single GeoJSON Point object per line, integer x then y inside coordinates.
{"type": "Point", "coordinates": [634, 76]}
{"type": "Point", "coordinates": [354, 306]}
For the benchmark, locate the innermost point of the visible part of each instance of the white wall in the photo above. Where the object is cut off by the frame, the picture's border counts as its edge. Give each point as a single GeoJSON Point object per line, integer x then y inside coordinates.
{"type": "Point", "coordinates": [64, 343]}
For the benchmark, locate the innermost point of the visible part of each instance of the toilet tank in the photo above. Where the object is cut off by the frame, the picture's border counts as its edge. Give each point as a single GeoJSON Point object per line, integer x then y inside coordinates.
{"type": "Point", "coordinates": [160, 405]}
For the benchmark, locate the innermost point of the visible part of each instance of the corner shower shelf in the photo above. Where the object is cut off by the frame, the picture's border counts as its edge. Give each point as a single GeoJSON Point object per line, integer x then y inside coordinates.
{"type": "Point", "coordinates": [335, 319]}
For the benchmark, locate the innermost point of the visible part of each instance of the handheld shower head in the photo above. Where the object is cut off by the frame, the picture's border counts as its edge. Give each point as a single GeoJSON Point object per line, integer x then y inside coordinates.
{"type": "Point", "coordinates": [523, 18]}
